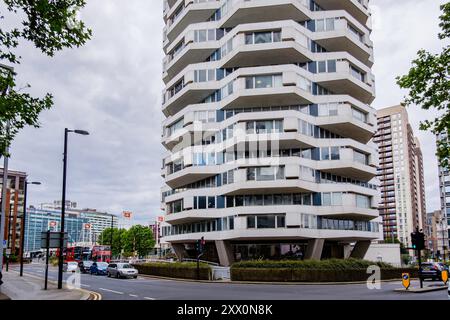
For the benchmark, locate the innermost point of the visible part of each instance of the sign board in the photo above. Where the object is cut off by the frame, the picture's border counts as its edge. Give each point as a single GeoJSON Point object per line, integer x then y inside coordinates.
{"type": "Point", "coordinates": [55, 239]}
{"type": "Point", "coordinates": [160, 219]}
{"type": "Point", "coordinates": [8, 252]}
{"type": "Point", "coordinates": [127, 214]}
{"type": "Point", "coordinates": [52, 225]}
{"type": "Point", "coordinates": [406, 281]}
{"type": "Point", "coordinates": [87, 226]}
{"type": "Point", "coordinates": [444, 276]}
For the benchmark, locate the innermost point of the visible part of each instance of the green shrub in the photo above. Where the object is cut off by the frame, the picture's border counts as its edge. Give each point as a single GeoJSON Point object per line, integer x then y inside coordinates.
{"type": "Point", "coordinates": [185, 270]}
{"type": "Point", "coordinates": [331, 264]}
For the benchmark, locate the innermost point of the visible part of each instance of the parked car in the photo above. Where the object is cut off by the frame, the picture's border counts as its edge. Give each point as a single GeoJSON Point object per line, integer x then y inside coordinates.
{"type": "Point", "coordinates": [71, 266]}
{"type": "Point", "coordinates": [432, 270]}
{"type": "Point", "coordinates": [121, 270]}
{"type": "Point", "coordinates": [85, 266]}
{"type": "Point", "coordinates": [98, 268]}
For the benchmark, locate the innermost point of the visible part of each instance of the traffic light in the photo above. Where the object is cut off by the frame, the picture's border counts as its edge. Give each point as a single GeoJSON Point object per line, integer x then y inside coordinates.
{"type": "Point", "coordinates": [418, 240]}
{"type": "Point", "coordinates": [200, 245]}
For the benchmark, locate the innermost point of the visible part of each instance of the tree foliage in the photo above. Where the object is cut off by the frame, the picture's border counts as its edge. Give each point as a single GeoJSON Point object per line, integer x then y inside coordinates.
{"type": "Point", "coordinates": [51, 26]}
{"type": "Point", "coordinates": [136, 241]}
{"type": "Point", "coordinates": [139, 239]}
{"type": "Point", "coordinates": [428, 84]}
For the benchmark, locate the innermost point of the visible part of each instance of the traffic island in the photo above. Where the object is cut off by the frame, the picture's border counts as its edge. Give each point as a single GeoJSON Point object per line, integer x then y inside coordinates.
{"type": "Point", "coordinates": [422, 290]}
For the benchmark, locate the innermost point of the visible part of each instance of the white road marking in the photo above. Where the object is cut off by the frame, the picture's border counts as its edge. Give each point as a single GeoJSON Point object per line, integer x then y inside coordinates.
{"type": "Point", "coordinates": [133, 295]}
{"type": "Point", "coordinates": [117, 292]}
{"type": "Point", "coordinates": [85, 285]}
{"type": "Point", "coordinates": [149, 298]}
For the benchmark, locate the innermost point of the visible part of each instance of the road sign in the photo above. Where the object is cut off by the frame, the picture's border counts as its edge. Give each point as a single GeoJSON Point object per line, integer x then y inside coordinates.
{"type": "Point", "coordinates": [55, 240]}
{"type": "Point", "coordinates": [444, 276]}
{"type": "Point", "coordinates": [8, 252]}
{"type": "Point", "coordinates": [406, 281]}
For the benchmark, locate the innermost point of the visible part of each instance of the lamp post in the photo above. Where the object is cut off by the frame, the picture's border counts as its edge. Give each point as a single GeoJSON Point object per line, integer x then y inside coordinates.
{"type": "Point", "coordinates": [112, 230]}
{"type": "Point", "coordinates": [22, 235]}
{"type": "Point", "coordinates": [5, 177]}
{"type": "Point", "coordinates": [63, 204]}
{"type": "Point", "coordinates": [443, 237]}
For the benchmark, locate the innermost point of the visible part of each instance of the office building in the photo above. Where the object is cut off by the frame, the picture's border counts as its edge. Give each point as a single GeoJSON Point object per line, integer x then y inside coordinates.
{"type": "Point", "coordinates": [84, 226]}
{"type": "Point", "coordinates": [268, 129]}
{"type": "Point", "coordinates": [14, 209]}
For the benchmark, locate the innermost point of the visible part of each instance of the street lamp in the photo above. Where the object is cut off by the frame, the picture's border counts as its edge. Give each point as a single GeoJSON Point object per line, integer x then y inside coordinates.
{"type": "Point", "coordinates": [112, 230]}
{"type": "Point", "coordinates": [443, 237]}
{"type": "Point", "coordinates": [63, 204]}
{"type": "Point", "coordinates": [22, 236]}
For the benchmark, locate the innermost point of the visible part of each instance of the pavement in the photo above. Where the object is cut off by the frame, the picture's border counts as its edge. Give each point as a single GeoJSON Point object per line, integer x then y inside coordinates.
{"type": "Point", "coordinates": [148, 288]}
{"type": "Point", "coordinates": [31, 287]}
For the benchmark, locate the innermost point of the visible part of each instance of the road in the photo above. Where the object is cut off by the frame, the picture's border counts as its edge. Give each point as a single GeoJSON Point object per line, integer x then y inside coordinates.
{"type": "Point", "coordinates": [145, 288]}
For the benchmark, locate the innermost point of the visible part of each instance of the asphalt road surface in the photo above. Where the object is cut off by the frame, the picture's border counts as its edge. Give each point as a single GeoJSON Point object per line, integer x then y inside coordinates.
{"type": "Point", "coordinates": [145, 288]}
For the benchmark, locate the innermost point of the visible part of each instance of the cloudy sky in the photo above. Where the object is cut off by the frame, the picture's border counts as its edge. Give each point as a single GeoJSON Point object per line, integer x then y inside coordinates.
{"type": "Point", "coordinates": [112, 88]}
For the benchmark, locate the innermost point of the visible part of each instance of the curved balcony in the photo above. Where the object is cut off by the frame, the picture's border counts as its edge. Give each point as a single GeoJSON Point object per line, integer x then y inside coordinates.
{"type": "Point", "coordinates": [357, 8]}
{"type": "Point", "coordinates": [192, 11]}
{"type": "Point", "coordinates": [295, 87]}
{"type": "Point", "coordinates": [275, 234]}
{"type": "Point", "coordinates": [342, 121]}
{"type": "Point", "coordinates": [347, 211]}
{"type": "Point", "coordinates": [293, 46]}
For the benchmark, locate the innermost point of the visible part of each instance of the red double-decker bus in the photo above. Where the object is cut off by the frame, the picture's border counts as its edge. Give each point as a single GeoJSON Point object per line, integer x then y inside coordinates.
{"type": "Point", "coordinates": [97, 253]}
{"type": "Point", "coordinates": [101, 253]}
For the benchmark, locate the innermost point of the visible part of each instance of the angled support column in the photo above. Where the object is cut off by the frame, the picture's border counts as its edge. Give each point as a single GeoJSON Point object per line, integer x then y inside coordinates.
{"type": "Point", "coordinates": [180, 251]}
{"type": "Point", "coordinates": [225, 253]}
{"type": "Point", "coordinates": [314, 249]}
{"type": "Point", "coordinates": [360, 249]}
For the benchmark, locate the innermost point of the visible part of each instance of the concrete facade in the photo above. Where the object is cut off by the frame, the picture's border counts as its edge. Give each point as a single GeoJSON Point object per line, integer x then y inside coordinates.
{"type": "Point", "coordinates": [444, 189]}
{"type": "Point", "coordinates": [268, 128]}
{"type": "Point", "coordinates": [400, 173]}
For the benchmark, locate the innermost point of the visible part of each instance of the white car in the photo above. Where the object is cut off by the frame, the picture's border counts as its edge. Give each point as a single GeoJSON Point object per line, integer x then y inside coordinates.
{"type": "Point", "coordinates": [71, 266]}
{"type": "Point", "coordinates": [121, 270]}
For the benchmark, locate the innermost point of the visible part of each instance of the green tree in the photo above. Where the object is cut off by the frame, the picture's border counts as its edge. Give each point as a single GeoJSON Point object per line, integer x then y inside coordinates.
{"type": "Point", "coordinates": [139, 239]}
{"type": "Point", "coordinates": [118, 239]}
{"type": "Point", "coordinates": [51, 26]}
{"type": "Point", "coordinates": [428, 84]}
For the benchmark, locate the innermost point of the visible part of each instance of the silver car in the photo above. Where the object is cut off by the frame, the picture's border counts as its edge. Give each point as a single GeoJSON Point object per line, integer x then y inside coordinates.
{"type": "Point", "coordinates": [121, 270]}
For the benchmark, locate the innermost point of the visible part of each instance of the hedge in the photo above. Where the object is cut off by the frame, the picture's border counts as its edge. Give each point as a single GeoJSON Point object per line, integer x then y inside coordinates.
{"type": "Point", "coordinates": [333, 270]}
{"type": "Point", "coordinates": [331, 264]}
{"type": "Point", "coordinates": [183, 270]}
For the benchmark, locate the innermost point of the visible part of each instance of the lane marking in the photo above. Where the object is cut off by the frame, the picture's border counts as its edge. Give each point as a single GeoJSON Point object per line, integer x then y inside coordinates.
{"type": "Point", "coordinates": [149, 298]}
{"type": "Point", "coordinates": [133, 295]}
{"type": "Point", "coordinates": [85, 285]}
{"type": "Point", "coordinates": [108, 290]}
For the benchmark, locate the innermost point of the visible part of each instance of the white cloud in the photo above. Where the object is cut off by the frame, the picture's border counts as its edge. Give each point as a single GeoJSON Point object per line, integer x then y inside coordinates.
{"type": "Point", "coordinates": [402, 28]}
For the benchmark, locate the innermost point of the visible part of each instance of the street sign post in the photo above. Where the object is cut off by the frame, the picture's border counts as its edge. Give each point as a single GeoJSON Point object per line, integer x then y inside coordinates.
{"type": "Point", "coordinates": [406, 281]}
{"type": "Point", "coordinates": [51, 240]}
